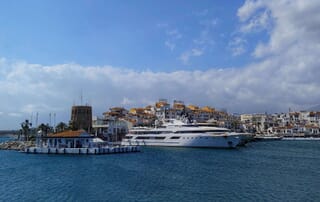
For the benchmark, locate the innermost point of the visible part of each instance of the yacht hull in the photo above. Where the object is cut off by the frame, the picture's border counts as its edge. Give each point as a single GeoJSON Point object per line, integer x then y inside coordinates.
{"type": "Point", "coordinates": [211, 141]}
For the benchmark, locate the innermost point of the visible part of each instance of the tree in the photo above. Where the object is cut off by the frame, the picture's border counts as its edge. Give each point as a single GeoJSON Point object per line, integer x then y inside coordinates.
{"type": "Point", "coordinates": [26, 129]}
{"type": "Point", "coordinates": [45, 128]}
{"type": "Point", "coordinates": [61, 127]}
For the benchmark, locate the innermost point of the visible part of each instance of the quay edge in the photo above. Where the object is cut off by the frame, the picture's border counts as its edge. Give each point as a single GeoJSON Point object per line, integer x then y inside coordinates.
{"type": "Point", "coordinates": [89, 151]}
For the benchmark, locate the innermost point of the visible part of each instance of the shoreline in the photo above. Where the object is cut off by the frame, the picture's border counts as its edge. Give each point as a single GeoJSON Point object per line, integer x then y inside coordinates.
{"type": "Point", "coordinates": [16, 145]}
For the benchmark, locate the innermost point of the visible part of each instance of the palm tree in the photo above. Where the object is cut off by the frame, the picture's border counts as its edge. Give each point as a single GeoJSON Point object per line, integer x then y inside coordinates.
{"type": "Point", "coordinates": [61, 127]}
{"type": "Point", "coordinates": [45, 128]}
{"type": "Point", "coordinates": [26, 129]}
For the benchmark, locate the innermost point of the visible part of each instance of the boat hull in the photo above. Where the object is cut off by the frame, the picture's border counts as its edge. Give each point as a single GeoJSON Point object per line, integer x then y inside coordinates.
{"type": "Point", "coordinates": [302, 138]}
{"type": "Point", "coordinates": [221, 141]}
{"type": "Point", "coordinates": [268, 138]}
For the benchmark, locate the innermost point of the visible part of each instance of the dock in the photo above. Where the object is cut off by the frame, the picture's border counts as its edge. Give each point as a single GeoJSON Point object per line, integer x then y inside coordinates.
{"type": "Point", "coordinates": [83, 151]}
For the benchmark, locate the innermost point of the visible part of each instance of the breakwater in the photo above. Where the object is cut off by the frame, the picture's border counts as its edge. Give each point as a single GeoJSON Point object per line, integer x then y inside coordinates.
{"type": "Point", "coordinates": [29, 147]}
{"type": "Point", "coordinates": [16, 145]}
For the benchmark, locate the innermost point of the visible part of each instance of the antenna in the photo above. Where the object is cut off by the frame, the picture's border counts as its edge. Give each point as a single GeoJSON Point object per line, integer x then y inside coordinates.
{"type": "Point", "coordinates": [31, 118]}
{"type": "Point", "coordinates": [81, 98]}
{"type": "Point", "coordinates": [54, 120]}
{"type": "Point", "coordinates": [49, 119]}
{"type": "Point", "coordinates": [37, 116]}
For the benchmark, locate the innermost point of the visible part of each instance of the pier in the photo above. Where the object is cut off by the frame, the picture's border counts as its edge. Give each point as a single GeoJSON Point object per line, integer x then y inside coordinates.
{"type": "Point", "coordinates": [83, 151]}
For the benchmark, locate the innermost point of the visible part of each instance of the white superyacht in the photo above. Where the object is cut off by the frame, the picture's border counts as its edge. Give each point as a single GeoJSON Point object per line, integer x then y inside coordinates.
{"type": "Point", "coordinates": [176, 133]}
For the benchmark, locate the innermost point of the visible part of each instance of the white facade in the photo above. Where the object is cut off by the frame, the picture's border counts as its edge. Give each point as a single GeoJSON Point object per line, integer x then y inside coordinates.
{"type": "Point", "coordinates": [111, 129]}
{"type": "Point", "coordinates": [68, 139]}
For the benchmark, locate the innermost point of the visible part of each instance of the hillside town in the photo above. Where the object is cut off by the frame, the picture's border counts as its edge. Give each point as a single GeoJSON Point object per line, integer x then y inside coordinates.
{"type": "Point", "coordinates": [113, 126]}
{"type": "Point", "coordinates": [115, 123]}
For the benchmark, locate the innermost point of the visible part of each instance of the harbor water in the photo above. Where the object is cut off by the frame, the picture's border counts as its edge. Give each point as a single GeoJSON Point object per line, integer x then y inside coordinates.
{"type": "Point", "coordinates": [260, 171]}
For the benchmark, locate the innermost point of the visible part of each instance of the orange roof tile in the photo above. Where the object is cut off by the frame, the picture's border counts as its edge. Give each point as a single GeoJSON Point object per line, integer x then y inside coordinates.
{"type": "Point", "coordinates": [207, 109]}
{"type": "Point", "coordinates": [69, 133]}
{"type": "Point", "coordinates": [161, 104]}
{"type": "Point", "coordinates": [193, 107]}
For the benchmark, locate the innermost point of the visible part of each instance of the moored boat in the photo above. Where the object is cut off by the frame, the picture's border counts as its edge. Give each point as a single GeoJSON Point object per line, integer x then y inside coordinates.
{"type": "Point", "coordinates": [267, 137]}
{"type": "Point", "coordinates": [302, 138]}
{"type": "Point", "coordinates": [176, 133]}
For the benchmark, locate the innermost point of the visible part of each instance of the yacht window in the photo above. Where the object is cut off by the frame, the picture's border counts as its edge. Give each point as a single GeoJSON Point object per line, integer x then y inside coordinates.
{"type": "Point", "coordinates": [159, 138]}
{"type": "Point", "coordinates": [148, 132]}
{"type": "Point", "coordinates": [164, 132]}
{"type": "Point", "coordinates": [159, 132]}
{"type": "Point", "coordinates": [128, 137]}
{"type": "Point", "coordinates": [143, 138]}
{"type": "Point", "coordinates": [201, 131]}
{"type": "Point", "coordinates": [175, 137]}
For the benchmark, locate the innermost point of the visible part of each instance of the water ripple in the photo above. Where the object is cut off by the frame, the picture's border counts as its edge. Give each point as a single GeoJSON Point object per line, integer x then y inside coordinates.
{"type": "Point", "coordinates": [273, 171]}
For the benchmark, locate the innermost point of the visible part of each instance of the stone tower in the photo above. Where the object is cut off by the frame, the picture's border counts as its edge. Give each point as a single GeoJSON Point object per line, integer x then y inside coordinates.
{"type": "Point", "coordinates": [81, 118]}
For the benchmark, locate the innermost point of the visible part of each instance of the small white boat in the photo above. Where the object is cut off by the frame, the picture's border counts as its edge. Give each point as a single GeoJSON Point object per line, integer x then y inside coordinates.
{"type": "Point", "coordinates": [267, 138]}
{"type": "Point", "coordinates": [302, 138]}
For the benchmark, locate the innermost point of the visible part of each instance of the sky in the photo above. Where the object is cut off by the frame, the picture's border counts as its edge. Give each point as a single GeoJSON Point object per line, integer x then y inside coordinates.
{"type": "Point", "coordinates": [250, 56]}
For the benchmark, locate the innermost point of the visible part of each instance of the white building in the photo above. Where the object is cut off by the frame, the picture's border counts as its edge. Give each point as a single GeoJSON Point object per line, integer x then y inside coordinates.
{"type": "Point", "coordinates": [111, 129]}
{"type": "Point", "coordinates": [68, 139]}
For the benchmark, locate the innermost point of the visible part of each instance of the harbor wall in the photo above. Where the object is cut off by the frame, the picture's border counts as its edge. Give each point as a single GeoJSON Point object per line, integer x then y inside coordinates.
{"type": "Point", "coordinates": [103, 150]}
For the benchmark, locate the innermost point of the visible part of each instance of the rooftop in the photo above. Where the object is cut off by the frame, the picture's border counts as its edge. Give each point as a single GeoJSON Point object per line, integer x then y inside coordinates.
{"type": "Point", "coordinates": [70, 134]}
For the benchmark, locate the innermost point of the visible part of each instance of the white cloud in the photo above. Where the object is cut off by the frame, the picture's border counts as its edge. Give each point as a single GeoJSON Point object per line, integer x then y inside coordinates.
{"type": "Point", "coordinates": [126, 101]}
{"type": "Point", "coordinates": [237, 46]}
{"type": "Point", "coordinates": [255, 88]}
{"type": "Point", "coordinates": [170, 45]}
{"type": "Point", "coordinates": [202, 42]}
{"type": "Point", "coordinates": [199, 43]}
{"type": "Point", "coordinates": [174, 33]}
{"type": "Point", "coordinates": [209, 23]}
{"type": "Point", "coordinates": [172, 36]}
{"type": "Point", "coordinates": [13, 114]}
{"type": "Point", "coordinates": [295, 25]}
{"type": "Point", "coordinates": [185, 56]}
{"type": "Point", "coordinates": [249, 7]}
{"type": "Point", "coordinates": [286, 75]}
{"type": "Point", "coordinates": [260, 21]}
{"type": "Point", "coordinates": [205, 37]}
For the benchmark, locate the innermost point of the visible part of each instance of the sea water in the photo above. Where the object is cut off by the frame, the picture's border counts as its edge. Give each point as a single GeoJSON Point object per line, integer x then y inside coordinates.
{"type": "Point", "coordinates": [260, 171]}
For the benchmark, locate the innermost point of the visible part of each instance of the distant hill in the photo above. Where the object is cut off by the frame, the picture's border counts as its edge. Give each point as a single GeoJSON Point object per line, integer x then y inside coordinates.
{"type": "Point", "coordinates": [8, 132]}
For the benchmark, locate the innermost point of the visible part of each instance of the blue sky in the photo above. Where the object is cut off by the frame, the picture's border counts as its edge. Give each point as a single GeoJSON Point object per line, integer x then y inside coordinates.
{"type": "Point", "coordinates": [250, 56]}
{"type": "Point", "coordinates": [136, 34]}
